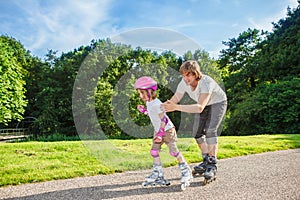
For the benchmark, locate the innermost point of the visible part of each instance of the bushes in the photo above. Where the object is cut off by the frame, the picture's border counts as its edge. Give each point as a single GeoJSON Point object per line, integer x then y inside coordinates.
{"type": "Point", "coordinates": [271, 108]}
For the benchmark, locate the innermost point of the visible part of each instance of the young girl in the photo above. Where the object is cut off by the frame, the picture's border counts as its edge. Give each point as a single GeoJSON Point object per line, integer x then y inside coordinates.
{"type": "Point", "coordinates": [164, 132]}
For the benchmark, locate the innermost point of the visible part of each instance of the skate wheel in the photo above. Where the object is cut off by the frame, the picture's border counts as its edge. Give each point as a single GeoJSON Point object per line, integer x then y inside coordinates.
{"type": "Point", "coordinates": [193, 172]}
{"type": "Point", "coordinates": [144, 184]}
{"type": "Point", "coordinates": [204, 181]}
{"type": "Point", "coordinates": [183, 186]}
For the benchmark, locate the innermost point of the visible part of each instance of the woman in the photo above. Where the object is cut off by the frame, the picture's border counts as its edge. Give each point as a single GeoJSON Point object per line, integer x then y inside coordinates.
{"type": "Point", "coordinates": [209, 109]}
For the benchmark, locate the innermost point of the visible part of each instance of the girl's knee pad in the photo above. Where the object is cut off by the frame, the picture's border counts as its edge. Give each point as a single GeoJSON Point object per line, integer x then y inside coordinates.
{"type": "Point", "coordinates": [154, 153]}
{"type": "Point", "coordinates": [174, 154]}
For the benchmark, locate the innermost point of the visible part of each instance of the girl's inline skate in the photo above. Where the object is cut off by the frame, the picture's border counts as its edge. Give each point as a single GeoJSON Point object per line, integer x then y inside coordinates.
{"type": "Point", "coordinates": [186, 175]}
{"type": "Point", "coordinates": [156, 177]}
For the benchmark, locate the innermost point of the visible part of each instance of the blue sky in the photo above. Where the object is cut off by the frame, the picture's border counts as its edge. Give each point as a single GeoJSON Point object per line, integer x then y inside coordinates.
{"type": "Point", "coordinates": [65, 25]}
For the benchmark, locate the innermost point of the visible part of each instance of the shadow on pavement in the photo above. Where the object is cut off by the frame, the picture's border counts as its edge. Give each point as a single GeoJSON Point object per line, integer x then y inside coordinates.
{"type": "Point", "coordinates": [109, 191]}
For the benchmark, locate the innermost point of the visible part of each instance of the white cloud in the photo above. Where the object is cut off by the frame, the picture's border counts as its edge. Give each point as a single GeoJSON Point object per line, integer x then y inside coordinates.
{"type": "Point", "coordinates": [234, 25]}
{"type": "Point", "coordinates": [293, 3]}
{"type": "Point", "coordinates": [266, 23]}
{"type": "Point", "coordinates": [157, 39]}
{"type": "Point", "coordinates": [259, 24]}
{"type": "Point", "coordinates": [64, 25]}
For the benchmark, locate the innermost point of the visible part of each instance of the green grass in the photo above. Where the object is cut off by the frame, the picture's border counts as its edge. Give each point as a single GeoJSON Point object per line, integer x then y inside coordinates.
{"type": "Point", "coordinates": [29, 162]}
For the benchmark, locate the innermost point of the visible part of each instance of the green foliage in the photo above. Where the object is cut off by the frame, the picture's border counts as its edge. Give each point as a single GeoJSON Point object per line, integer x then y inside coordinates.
{"type": "Point", "coordinates": [270, 108]}
{"type": "Point", "coordinates": [279, 55]}
{"type": "Point", "coordinates": [280, 106]}
{"type": "Point", "coordinates": [13, 62]}
{"type": "Point", "coordinates": [50, 87]}
{"type": "Point", "coordinates": [110, 61]}
{"type": "Point", "coordinates": [237, 63]}
{"type": "Point", "coordinates": [261, 79]}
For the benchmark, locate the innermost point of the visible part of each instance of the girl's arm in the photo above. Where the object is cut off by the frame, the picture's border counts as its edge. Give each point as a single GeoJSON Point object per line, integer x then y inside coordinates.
{"type": "Point", "coordinates": [161, 131]}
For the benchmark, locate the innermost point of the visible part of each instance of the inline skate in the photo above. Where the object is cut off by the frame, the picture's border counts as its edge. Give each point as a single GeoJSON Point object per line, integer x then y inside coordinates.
{"type": "Point", "coordinates": [201, 168]}
{"type": "Point", "coordinates": [186, 175]}
{"type": "Point", "coordinates": [156, 177]}
{"type": "Point", "coordinates": [211, 170]}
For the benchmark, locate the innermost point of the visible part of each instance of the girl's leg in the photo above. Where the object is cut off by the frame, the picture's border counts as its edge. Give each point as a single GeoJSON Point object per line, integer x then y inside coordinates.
{"type": "Point", "coordinates": [170, 140]}
{"type": "Point", "coordinates": [157, 173]}
{"type": "Point", "coordinates": [156, 161]}
{"type": "Point", "coordinates": [186, 172]}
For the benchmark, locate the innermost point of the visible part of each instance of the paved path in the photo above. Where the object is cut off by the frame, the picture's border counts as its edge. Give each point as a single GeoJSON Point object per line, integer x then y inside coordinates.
{"type": "Point", "coordinates": [267, 176]}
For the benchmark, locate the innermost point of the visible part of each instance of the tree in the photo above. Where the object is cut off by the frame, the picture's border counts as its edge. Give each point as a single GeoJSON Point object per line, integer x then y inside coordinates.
{"type": "Point", "coordinates": [280, 52]}
{"type": "Point", "coordinates": [238, 64]}
{"type": "Point", "coordinates": [13, 61]}
{"type": "Point", "coordinates": [261, 79]}
{"type": "Point", "coordinates": [54, 96]}
{"type": "Point", "coordinates": [272, 108]}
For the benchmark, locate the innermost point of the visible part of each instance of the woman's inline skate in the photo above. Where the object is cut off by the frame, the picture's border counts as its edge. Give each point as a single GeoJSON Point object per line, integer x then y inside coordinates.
{"type": "Point", "coordinates": [211, 170]}
{"type": "Point", "coordinates": [198, 170]}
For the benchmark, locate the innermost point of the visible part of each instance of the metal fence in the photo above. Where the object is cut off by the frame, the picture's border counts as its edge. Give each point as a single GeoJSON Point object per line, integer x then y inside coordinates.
{"type": "Point", "coordinates": [13, 134]}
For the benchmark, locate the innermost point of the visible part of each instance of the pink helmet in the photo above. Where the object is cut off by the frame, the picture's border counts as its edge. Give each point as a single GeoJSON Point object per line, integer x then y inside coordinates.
{"type": "Point", "coordinates": [145, 83]}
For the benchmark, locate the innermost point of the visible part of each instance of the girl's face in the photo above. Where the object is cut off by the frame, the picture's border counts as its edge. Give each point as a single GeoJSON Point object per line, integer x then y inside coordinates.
{"type": "Point", "coordinates": [143, 95]}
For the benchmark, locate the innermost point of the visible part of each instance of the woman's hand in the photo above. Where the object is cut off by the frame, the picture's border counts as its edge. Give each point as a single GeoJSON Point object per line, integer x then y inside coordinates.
{"type": "Point", "coordinates": [169, 106]}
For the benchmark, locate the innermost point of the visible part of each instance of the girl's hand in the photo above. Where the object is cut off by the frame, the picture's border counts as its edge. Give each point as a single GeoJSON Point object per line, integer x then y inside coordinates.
{"type": "Point", "coordinates": [142, 109]}
{"type": "Point", "coordinates": [158, 139]}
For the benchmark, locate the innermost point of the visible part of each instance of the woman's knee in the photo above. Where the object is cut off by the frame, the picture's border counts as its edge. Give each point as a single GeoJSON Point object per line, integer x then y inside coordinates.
{"type": "Point", "coordinates": [212, 140]}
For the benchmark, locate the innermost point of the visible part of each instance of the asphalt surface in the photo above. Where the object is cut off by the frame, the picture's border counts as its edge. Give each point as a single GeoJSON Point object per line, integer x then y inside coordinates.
{"type": "Point", "coordinates": [267, 176]}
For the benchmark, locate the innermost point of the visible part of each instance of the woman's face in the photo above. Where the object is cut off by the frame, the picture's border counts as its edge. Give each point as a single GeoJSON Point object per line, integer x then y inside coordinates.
{"type": "Point", "coordinates": [189, 78]}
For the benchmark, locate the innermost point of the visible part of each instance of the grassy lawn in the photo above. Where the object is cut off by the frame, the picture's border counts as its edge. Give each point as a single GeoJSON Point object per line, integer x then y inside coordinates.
{"type": "Point", "coordinates": [29, 162]}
